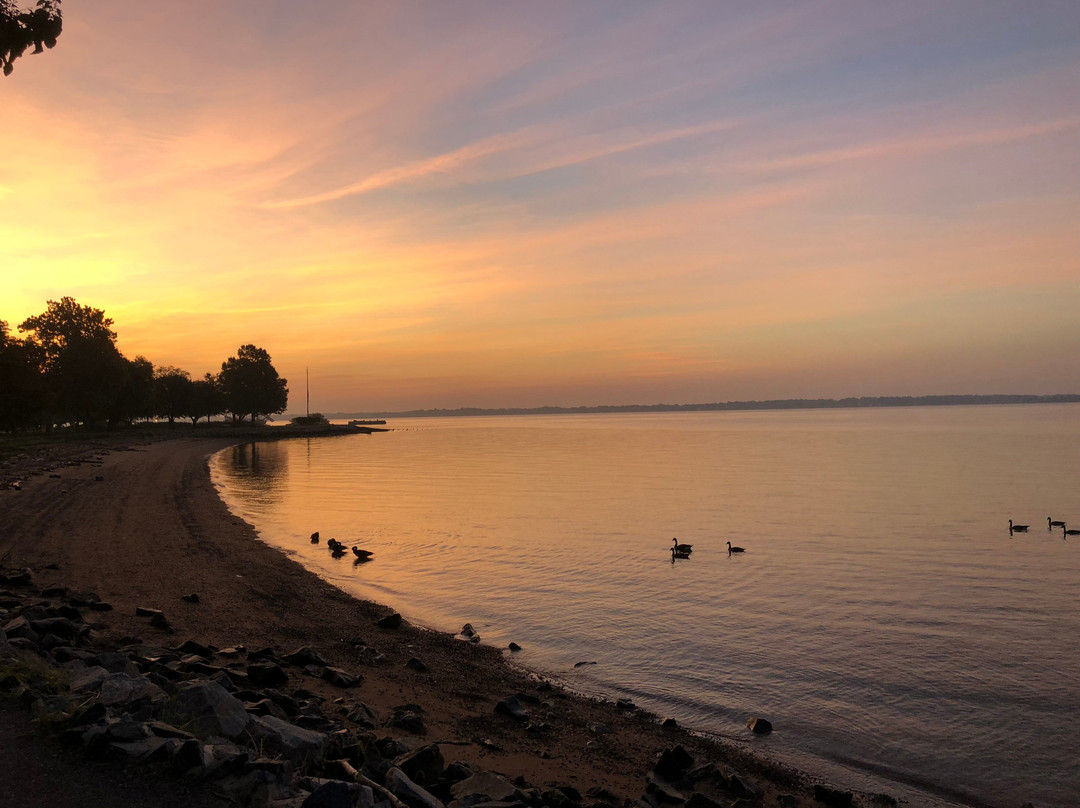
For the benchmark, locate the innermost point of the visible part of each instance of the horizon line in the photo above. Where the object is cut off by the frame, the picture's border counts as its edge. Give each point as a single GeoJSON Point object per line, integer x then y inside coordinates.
{"type": "Point", "coordinates": [850, 402]}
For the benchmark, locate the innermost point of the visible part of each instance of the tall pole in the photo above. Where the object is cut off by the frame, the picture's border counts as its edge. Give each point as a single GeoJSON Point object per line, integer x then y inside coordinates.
{"type": "Point", "coordinates": [307, 389]}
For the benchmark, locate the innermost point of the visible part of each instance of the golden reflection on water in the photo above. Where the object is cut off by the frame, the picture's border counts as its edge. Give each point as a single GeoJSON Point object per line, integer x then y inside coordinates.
{"type": "Point", "coordinates": [880, 594]}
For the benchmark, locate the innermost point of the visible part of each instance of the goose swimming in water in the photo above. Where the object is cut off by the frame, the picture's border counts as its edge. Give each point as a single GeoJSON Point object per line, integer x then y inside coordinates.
{"type": "Point", "coordinates": [315, 537]}
{"type": "Point", "coordinates": [361, 555]}
{"type": "Point", "coordinates": [682, 548]}
{"type": "Point", "coordinates": [337, 549]}
{"type": "Point", "coordinates": [731, 549]}
{"type": "Point", "coordinates": [1052, 523]}
{"type": "Point", "coordinates": [1017, 528]}
{"type": "Point", "coordinates": [676, 554]}
{"type": "Point", "coordinates": [1070, 531]}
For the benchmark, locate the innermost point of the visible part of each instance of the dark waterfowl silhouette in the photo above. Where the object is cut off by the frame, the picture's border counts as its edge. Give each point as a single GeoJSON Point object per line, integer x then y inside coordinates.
{"type": "Point", "coordinates": [731, 549]}
{"type": "Point", "coordinates": [682, 548]}
{"type": "Point", "coordinates": [1069, 531]}
{"type": "Point", "coordinates": [1052, 523]}
{"type": "Point", "coordinates": [315, 537]}
{"type": "Point", "coordinates": [1017, 528]}
{"type": "Point", "coordinates": [337, 549]}
{"type": "Point", "coordinates": [676, 554]}
{"type": "Point", "coordinates": [361, 555]}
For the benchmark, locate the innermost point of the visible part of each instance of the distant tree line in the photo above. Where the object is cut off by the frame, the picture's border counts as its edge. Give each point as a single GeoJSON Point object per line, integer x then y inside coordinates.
{"type": "Point", "coordinates": [67, 371]}
{"type": "Point", "coordinates": [772, 404]}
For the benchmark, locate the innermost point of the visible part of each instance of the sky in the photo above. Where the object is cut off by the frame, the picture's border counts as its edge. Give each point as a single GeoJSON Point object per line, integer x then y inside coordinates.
{"type": "Point", "coordinates": [505, 204]}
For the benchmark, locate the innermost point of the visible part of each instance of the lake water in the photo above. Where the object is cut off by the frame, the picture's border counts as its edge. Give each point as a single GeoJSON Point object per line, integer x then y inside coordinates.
{"type": "Point", "coordinates": [882, 617]}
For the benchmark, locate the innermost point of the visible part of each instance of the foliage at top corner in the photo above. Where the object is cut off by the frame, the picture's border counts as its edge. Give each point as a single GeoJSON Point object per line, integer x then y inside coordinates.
{"type": "Point", "coordinates": [19, 29]}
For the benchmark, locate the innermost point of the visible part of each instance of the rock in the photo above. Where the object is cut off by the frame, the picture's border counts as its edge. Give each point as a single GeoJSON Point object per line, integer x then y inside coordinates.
{"type": "Point", "coordinates": [673, 762]}
{"type": "Point", "coordinates": [599, 729]}
{"type": "Point", "coordinates": [583, 664]}
{"type": "Point", "coordinates": [514, 647]}
{"type": "Point", "coordinates": [266, 673]}
{"type": "Point", "coordinates": [211, 709]}
{"type": "Point", "coordinates": [468, 633]}
{"type": "Point", "coordinates": [832, 797]}
{"type": "Point", "coordinates": [759, 726]}
{"type": "Point", "coordinates": [662, 789]}
{"type": "Point", "coordinates": [332, 794]}
{"type": "Point", "coordinates": [198, 649]}
{"type": "Point", "coordinates": [486, 786]}
{"type": "Point", "coordinates": [512, 707]}
{"type": "Point", "coordinates": [625, 704]}
{"type": "Point", "coordinates": [305, 656]}
{"type": "Point", "coordinates": [21, 577]}
{"type": "Point", "coordinates": [121, 689]}
{"type": "Point", "coordinates": [399, 784]}
{"type": "Point", "coordinates": [339, 678]}
{"type": "Point", "coordinates": [363, 715]}
{"type": "Point", "coordinates": [415, 664]}
{"type": "Point", "coordinates": [192, 598]}
{"type": "Point", "coordinates": [742, 787]}
{"type": "Point", "coordinates": [57, 626]}
{"type": "Point", "coordinates": [699, 800]}
{"type": "Point", "coordinates": [287, 740]}
{"type": "Point", "coordinates": [669, 723]}
{"type": "Point", "coordinates": [89, 679]}
{"type": "Point", "coordinates": [408, 717]}
{"type": "Point", "coordinates": [392, 620]}
{"type": "Point", "coordinates": [423, 765]}
{"type": "Point", "coordinates": [143, 611]}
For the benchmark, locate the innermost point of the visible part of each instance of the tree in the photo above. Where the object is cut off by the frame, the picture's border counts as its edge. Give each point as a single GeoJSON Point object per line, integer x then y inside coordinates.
{"type": "Point", "coordinates": [21, 388]}
{"type": "Point", "coordinates": [206, 399]}
{"type": "Point", "coordinates": [21, 29]}
{"type": "Point", "coordinates": [251, 384]}
{"type": "Point", "coordinates": [64, 322]}
{"type": "Point", "coordinates": [172, 392]}
{"type": "Point", "coordinates": [83, 372]}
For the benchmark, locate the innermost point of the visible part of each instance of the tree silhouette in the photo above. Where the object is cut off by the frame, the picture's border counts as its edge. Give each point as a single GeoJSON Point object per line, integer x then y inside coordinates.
{"type": "Point", "coordinates": [251, 384]}
{"type": "Point", "coordinates": [20, 29]}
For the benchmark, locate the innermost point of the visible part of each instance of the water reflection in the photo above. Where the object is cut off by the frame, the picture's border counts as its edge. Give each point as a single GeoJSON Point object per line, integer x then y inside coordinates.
{"type": "Point", "coordinates": [261, 469]}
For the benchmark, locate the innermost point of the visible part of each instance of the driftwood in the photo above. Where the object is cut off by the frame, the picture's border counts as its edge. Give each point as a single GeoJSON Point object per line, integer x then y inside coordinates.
{"type": "Point", "coordinates": [357, 777]}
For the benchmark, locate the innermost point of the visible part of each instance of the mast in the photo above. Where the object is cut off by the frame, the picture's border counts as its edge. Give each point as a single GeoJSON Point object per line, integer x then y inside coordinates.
{"type": "Point", "coordinates": [307, 390]}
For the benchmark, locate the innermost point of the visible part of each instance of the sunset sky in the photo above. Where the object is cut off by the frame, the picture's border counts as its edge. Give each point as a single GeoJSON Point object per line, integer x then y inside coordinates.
{"type": "Point", "coordinates": [501, 204]}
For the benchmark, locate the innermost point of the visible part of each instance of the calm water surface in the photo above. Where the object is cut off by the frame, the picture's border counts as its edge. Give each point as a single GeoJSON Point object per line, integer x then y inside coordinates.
{"type": "Point", "coordinates": [881, 617]}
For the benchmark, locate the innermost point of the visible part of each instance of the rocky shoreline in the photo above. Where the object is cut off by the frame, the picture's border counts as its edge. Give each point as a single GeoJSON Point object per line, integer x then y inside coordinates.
{"type": "Point", "coordinates": [148, 626]}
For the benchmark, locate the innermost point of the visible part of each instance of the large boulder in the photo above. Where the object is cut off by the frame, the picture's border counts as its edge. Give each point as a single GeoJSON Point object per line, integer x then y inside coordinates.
{"type": "Point", "coordinates": [121, 689]}
{"type": "Point", "coordinates": [287, 740]}
{"type": "Point", "coordinates": [399, 784]}
{"type": "Point", "coordinates": [211, 709]}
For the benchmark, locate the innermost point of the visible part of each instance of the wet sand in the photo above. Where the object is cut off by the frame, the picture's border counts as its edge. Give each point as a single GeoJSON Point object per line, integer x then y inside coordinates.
{"type": "Point", "coordinates": [142, 526]}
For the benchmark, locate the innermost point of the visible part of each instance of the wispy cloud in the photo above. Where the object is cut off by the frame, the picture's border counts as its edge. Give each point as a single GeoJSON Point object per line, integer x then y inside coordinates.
{"type": "Point", "coordinates": [920, 144]}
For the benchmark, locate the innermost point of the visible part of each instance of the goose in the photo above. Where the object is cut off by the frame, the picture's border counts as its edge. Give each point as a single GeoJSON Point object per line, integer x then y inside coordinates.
{"type": "Point", "coordinates": [315, 537]}
{"type": "Point", "coordinates": [1053, 523]}
{"type": "Point", "coordinates": [1017, 528]}
{"type": "Point", "coordinates": [731, 549]}
{"type": "Point", "coordinates": [675, 553]}
{"type": "Point", "coordinates": [1072, 531]}
{"type": "Point", "coordinates": [682, 548]}
{"type": "Point", "coordinates": [362, 555]}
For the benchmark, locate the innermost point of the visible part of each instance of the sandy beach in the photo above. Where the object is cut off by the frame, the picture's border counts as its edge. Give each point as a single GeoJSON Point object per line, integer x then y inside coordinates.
{"type": "Point", "coordinates": [142, 526]}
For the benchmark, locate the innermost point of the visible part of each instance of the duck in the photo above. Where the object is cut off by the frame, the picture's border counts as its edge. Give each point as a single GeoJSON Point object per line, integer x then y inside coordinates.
{"type": "Point", "coordinates": [361, 555]}
{"type": "Point", "coordinates": [676, 554]}
{"type": "Point", "coordinates": [1017, 528]}
{"type": "Point", "coordinates": [731, 549]}
{"type": "Point", "coordinates": [1052, 523]}
{"type": "Point", "coordinates": [682, 548]}
{"type": "Point", "coordinates": [1072, 531]}
{"type": "Point", "coordinates": [315, 537]}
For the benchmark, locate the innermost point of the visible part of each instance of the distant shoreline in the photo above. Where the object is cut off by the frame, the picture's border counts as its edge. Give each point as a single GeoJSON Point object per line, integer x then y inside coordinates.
{"type": "Point", "coordinates": [774, 404]}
